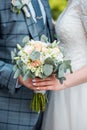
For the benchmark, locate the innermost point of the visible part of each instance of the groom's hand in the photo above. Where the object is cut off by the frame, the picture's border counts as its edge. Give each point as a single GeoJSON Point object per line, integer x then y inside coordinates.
{"type": "Point", "coordinates": [27, 83]}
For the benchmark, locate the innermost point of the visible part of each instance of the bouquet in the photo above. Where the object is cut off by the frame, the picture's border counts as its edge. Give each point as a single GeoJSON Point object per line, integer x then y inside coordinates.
{"type": "Point", "coordinates": [39, 59]}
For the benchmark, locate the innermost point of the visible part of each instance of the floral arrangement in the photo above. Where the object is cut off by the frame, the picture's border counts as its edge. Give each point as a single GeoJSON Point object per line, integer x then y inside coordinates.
{"type": "Point", "coordinates": [18, 5]}
{"type": "Point", "coordinates": [39, 59]}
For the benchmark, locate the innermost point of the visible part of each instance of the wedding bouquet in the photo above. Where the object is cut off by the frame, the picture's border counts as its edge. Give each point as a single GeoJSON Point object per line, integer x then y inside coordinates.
{"type": "Point", "coordinates": [39, 59]}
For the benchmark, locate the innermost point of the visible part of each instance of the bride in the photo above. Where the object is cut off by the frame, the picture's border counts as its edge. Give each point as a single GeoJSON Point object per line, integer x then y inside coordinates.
{"type": "Point", "coordinates": [67, 109]}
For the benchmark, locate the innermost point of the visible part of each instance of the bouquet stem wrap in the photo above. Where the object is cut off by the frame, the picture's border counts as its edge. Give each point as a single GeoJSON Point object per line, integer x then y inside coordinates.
{"type": "Point", "coordinates": [39, 101]}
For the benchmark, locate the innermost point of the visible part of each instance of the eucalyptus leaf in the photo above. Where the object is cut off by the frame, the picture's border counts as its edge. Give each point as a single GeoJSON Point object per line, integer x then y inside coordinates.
{"type": "Point", "coordinates": [15, 51]}
{"type": "Point", "coordinates": [26, 39]}
{"type": "Point", "coordinates": [68, 65]}
{"type": "Point", "coordinates": [43, 76]}
{"type": "Point", "coordinates": [44, 38]}
{"type": "Point", "coordinates": [54, 44]}
{"type": "Point", "coordinates": [47, 69]}
{"type": "Point", "coordinates": [55, 67]}
{"type": "Point", "coordinates": [19, 47]}
{"type": "Point", "coordinates": [31, 74]}
{"type": "Point", "coordinates": [62, 50]}
{"type": "Point", "coordinates": [49, 61]}
{"type": "Point", "coordinates": [28, 74]}
{"type": "Point", "coordinates": [34, 55]}
{"type": "Point", "coordinates": [15, 68]}
{"type": "Point", "coordinates": [18, 62]}
{"type": "Point", "coordinates": [61, 70]}
{"type": "Point", "coordinates": [62, 79]}
{"type": "Point", "coordinates": [67, 62]}
{"type": "Point", "coordinates": [12, 55]}
{"type": "Point", "coordinates": [17, 73]}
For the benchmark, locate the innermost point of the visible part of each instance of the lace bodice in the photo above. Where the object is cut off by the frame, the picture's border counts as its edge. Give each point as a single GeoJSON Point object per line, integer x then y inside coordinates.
{"type": "Point", "coordinates": [71, 32]}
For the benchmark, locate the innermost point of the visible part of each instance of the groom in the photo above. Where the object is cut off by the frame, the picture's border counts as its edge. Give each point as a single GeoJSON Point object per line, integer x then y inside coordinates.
{"type": "Point", "coordinates": [16, 94]}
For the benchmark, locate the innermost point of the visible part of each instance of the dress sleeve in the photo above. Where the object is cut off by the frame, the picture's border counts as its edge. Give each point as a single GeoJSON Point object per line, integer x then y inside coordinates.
{"type": "Point", "coordinates": [83, 6]}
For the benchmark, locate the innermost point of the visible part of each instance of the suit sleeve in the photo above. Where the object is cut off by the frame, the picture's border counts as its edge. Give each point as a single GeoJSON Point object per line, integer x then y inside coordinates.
{"type": "Point", "coordinates": [6, 68]}
{"type": "Point", "coordinates": [6, 77]}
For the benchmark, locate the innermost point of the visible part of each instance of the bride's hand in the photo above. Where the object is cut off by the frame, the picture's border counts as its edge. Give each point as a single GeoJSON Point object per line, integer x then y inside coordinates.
{"type": "Point", "coordinates": [50, 83]}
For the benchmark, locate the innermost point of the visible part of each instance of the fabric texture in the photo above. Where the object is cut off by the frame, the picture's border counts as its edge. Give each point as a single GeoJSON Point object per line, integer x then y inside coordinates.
{"type": "Point", "coordinates": [34, 13]}
{"type": "Point", "coordinates": [67, 109]}
{"type": "Point", "coordinates": [15, 112]}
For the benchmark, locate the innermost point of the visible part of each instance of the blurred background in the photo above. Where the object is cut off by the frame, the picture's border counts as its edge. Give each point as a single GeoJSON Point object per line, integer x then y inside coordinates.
{"type": "Point", "coordinates": [57, 6]}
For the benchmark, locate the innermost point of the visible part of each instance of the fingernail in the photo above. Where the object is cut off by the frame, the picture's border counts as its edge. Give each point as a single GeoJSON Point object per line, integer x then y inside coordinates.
{"type": "Point", "coordinates": [34, 80]}
{"type": "Point", "coordinates": [34, 83]}
{"type": "Point", "coordinates": [37, 88]}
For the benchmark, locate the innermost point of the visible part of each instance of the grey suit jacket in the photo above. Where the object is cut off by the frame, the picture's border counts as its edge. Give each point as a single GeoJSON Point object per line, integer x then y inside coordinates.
{"type": "Point", "coordinates": [15, 113]}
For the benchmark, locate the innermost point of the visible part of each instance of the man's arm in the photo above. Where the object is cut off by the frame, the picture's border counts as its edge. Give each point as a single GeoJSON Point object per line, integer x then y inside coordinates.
{"type": "Point", "coordinates": [6, 76]}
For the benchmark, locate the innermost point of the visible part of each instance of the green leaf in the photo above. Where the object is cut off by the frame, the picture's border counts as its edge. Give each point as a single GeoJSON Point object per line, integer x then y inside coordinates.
{"type": "Point", "coordinates": [18, 62]}
{"type": "Point", "coordinates": [49, 61]}
{"type": "Point", "coordinates": [54, 44]}
{"type": "Point", "coordinates": [47, 69]}
{"type": "Point", "coordinates": [15, 50]}
{"type": "Point", "coordinates": [62, 79]}
{"type": "Point", "coordinates": [26, 39]}
{"type": "Point", "coordinates": [67, 62]}
{"type": "Point", "coordinates": [34, 55]}
{"type": "Point", "coordinates": [12, 55]}
{"type": "Point", "coordinates": [15, 68]}
{"type": "Point", "coordinates": [68, 65]}
{"type": "Point", "coordinates": [43, 76]}
{"type": "Point", "coordinates": [19, 47]}
{"type": "Point", "coordinates": [17, 73]}
{"type": "Point", "coordinates": [44, 38]}
{"type": "Point", "coordinates": [55, 68]}
{"type": "Point", "coordinates": [52, 62]}
{"type": "Point", "coordinates": [61, 70]}
{"type": "Point", "coordinates": [28, 74]}
{"type": "Point", "coordinates": [63, 67]}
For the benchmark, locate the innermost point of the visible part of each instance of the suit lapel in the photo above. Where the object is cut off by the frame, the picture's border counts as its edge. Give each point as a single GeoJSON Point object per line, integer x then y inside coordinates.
{"type": "Point", "coordinates": [33, 28]}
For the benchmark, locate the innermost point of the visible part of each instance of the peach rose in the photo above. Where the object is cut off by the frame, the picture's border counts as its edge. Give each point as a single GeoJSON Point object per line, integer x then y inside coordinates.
{"type": "Point", "coordinates": [35, 63]}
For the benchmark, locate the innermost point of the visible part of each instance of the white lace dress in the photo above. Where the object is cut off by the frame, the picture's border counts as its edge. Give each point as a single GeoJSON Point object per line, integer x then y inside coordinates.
{"type": "Point", "coordinates": [67, 109]}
